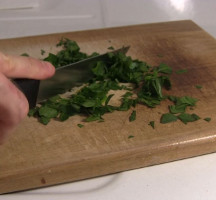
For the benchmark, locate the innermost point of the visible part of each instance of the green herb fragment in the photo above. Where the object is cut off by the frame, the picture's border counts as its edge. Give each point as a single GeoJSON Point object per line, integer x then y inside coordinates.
{"type": "Point", "coordinates": [127, 104]}
{"type": "Point", "coordinates": [48, 112]}
{"type": "Point", "coordinates": [177, 108]}
{"type": "Point", "coordinates": [111, 48]}
{"type": "Point", "coordinates": [52, 58]}
{"type": "Point", "coordinates": [163, 68]}
{"type": "Point", "coordinates": [167, 118]}
{"type": "Point", "coordinates": [127, 94]}
{"type": "Point", "coordinates": [208, 119]}
{"type": "Point", "coordinates": [42, 52]}
{"type": "Point", "coordinates": [80, 125]}
{"type": "Point", "coordinates": [70, 53]}
{"type": "Point", "coordinates": [198, 86]}
{"type": "Point", "coordinates": [99, 70]}
{"type": "Point", "coordinates": [181, 103]}
{"type": "Point", "coordinates": [108, 99]}
{"type": "Point", "coordinates": [190, 101]}
{"type": "Point", "coordinates": [152, 124]}
{"type": "Point", "coordinates": [93, 118]}
{"type": "Point", "coordinates": [32, 112]}
{"type": "Point", "coordinates": [25, 54]}
{"type": "Point", "coordinates": [63, 116]}
{"type": "Point", "coordinates": [151, 91]}
{"type": "Point", "coordinates": [181, 71]}
{"type": "Point", "coordinates": [185, 117]}
{"type": "Point", "coordinates": [132, 116]}
{"type": "Point", "coordinates": [44, 120]}
{"type": "Point", "coordinates": [130, 136]}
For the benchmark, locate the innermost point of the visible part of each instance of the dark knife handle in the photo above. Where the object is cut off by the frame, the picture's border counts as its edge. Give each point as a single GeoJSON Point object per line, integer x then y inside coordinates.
{"type": "Point", "coordinates": [30, 88]}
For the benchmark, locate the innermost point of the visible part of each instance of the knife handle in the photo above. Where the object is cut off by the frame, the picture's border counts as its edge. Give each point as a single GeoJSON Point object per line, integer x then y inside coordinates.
{"type": "Point", "coordinates": [30, 89]}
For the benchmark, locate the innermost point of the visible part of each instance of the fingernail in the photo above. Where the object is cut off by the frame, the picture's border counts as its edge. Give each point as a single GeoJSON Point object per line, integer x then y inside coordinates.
{"type": "Point", "coordinates": [49, 67]}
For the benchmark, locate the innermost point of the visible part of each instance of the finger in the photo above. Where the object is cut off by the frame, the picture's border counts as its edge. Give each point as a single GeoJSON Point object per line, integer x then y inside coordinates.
{"type": "Point", "coordinates": [25, 67]}
{"type": "Point", "coordinates": [13, 107]}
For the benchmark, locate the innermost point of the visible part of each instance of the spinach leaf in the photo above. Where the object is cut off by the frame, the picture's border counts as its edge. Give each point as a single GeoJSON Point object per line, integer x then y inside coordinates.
{"type": "Point", "coordinates": [48, 112]}
{"type": "Point", "coordinates": [168, 117]}
{"type": "Point", "coordinates": [185, 117]}
{"type": "Point", "coordinates": [181, 103]}
{"type": "Point", "coordinates": [80, 125]}
{"type": "Point", "coordinates": [132, 116]}
{"type": "Point", "coordinates": [163, 68]}
{"type": "Point", "coordinates": [208, 119]}
{"type": "Point", "coordinates": [152, 124]}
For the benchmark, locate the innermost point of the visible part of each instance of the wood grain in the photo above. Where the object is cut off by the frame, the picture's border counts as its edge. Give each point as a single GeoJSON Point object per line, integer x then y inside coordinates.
{"type": "Point", "coordinates": [37, 155]}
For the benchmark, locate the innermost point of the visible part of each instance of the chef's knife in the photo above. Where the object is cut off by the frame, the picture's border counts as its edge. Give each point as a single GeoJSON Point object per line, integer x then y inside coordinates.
{"type": "Point", "coordinates": [65, 78]}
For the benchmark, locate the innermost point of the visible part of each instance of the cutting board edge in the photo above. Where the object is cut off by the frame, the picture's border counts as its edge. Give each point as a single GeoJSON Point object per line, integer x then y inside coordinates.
{"type": "Point", "coordinates": [94, 167]}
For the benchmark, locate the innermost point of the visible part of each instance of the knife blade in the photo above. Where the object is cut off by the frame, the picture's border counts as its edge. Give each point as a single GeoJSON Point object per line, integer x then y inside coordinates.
{"type": "Point", "coordinates": [65, 78]}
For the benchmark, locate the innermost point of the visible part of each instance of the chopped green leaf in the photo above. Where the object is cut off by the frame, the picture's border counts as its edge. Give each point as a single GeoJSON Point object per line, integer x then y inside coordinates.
{"type": "Point", "coordinates": [32, 112]}
{"type": "Point", "coordinates": [185, 117]}
{"type": "Point", "coordinates": [127, 104]}
{"type": "Point", "coordinates": [181, 103]}
{"type": "Point", "coordinates": [64, 116]}
{"type": "Point", "coordinates": [42, 52]}
{"type": "Point", "coordinates": [167, 118]}
{"type": "Point", "coordinates": [132, 116]}
{"type": "Point", "coordinates": [80, 125]}
{"type": "Point", "coordinates": [180, 108]}
{"type": "Point", "coordinates": [93, 118]}
{"type": "Point", "coordinates": [111, 48]}
{"type": "Point", "coordinates": [208, 119]}
{"type": "Point", "coordinates": [108, 99]}
{"type": "Point", "coordinates": [198, 86]}
{"type": "Point", "coordinates": [44, 120]}
{"type": "Point", "coordinates": [163, 68]}
{"type": "Point", "coordinates": [25, 54]}
{"type": "Point", "coordinates": [100, 69]}
{"type": "Point", "coordinates": [130, 136]}
{"type": "Point", "coordinates": [152, 124]}
{"type": "Point", "coordinates": [181, 71]}
{"type": "Point", "coordinates": [52, 58]}
{"type": "Point", "coordinates": [48, 112]}
{"type": "Point", "coordinates": [127, 94]}
{"type": "Point", "coordinates": [190, 101]}
{"type": "Point", "coordinates": [89, 103]}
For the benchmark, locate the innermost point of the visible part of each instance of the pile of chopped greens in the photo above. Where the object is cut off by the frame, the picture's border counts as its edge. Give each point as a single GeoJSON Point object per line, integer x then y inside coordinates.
{"type": "Point", "coordinates": [70, 53]}
{"type": "Point", "coordinates": [93, 99]}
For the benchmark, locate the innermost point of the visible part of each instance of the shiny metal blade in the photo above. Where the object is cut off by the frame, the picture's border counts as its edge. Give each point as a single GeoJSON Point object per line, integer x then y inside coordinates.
{"type": "Point", "coordinates": [72, 75]}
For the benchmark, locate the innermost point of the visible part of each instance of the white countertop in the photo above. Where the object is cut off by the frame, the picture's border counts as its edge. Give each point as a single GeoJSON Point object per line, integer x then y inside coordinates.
{"type": "Point", "coordinates": [192, 179]}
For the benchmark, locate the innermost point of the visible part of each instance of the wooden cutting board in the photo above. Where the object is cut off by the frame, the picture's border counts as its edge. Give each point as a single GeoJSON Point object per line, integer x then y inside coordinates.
{"type": "Point", "coordinates": [37, 155]}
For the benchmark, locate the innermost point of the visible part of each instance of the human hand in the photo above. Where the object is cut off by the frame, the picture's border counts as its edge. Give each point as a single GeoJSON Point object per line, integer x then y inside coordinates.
{"type": "Point", "coordinates": [13, 103]}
